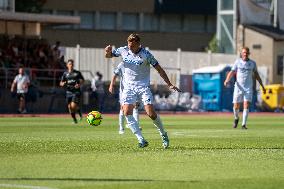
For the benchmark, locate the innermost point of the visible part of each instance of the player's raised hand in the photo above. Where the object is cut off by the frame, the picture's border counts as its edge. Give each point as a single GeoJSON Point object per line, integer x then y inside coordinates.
{"type": "Point", "coordinates": [172, 87]}
{"type": "Point", "coordinates": [108, 51]}
{"type": "Point", "coordinates": [108, 48]}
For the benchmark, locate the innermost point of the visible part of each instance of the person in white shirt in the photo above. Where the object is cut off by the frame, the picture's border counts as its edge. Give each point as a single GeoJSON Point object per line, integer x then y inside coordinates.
{"type": "Point", "coordinates": [136, 82]}
{"type": "Point", "coordinates": [22, 81]}
{"type": "Point", "coordinates": [245, 70]}
{"type": "Point", "coordinates": [118, 72]}
{"type": "Point", "coordinates": [97, 86]}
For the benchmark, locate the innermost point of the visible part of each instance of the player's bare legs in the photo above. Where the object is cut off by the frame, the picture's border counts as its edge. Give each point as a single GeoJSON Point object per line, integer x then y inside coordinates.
{"type": "Point", "coordinates": [22, 105]}
{"type": "Point", "coordinates": [133, 125]}
{"type": "Point", "coordinates": [150, 111]}
{"type": "Point", "coordinates": [78, 110]}
{"type": "Point", "coordinates": [72, 109]}
{"type": "Point", "coordinates": [158, 123]}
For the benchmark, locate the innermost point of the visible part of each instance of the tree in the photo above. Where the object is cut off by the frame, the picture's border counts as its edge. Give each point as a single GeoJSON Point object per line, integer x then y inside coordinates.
{"type": "Point", "coordinates": [213, 45]}
{"type": "Point", "coordinates": [30, 6]}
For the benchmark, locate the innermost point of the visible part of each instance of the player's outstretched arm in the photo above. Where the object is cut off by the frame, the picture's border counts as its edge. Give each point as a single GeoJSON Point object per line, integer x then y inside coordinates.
{"type": "Point", "coordinates": [228, 78]}
{"type": "Point", "coordinates": [108, 51]}
{"type": "Point", "coordinates": [165, 77]}
{"type": "Point", "coordinates": [13, 86]}
{"type": "Point", "coordinates": [111, 85]}
{"type": "Point", "coordinates": [257, 77]}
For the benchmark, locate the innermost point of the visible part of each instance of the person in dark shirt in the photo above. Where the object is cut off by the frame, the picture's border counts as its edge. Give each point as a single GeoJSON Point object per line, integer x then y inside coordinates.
{"type": "Point", "coordinates": [72, 80]}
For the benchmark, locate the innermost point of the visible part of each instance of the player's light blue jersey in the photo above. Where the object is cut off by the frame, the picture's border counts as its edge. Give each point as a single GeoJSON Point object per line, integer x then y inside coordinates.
{"type": "Point", "coordinates": [119, 71]}
{"type": "Point", "coordinates": [136, 66]}
{"type": "Point", "coordinates": [244, 70]}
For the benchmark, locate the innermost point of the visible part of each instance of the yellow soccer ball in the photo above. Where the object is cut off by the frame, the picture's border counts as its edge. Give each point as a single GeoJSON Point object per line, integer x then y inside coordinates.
{"type": "Point", "coordinates": [94, 118]}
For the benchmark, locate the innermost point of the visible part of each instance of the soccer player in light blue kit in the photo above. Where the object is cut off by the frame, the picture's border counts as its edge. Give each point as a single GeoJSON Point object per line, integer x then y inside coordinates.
{"type": "Point", "coordinates": [136, 82]}
{"type": "Point", "coordinates": [118, 72]}
{"type": "Point", "coordinates": [245, 70]}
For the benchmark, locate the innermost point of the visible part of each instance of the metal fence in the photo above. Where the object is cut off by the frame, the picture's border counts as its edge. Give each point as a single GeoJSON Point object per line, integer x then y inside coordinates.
{"type": "Point", "coordinates": [174, 62]}
{"type": "Point", "coordinates": [43, 77]}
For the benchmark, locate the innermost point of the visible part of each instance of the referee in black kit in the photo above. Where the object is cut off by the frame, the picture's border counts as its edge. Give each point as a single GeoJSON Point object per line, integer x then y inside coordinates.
{"type": "Point", "coordinates": [72, 80]}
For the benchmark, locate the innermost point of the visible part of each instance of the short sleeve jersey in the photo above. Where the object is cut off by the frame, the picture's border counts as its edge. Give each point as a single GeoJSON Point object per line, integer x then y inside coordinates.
{"type": "Point", "coordinates": [72, 78]}
{"type": "Point", "coordinates": [244, 70]}
{"type": "Point", "coordinates": [22, 81]}
{"type": "Point", "coordinates": [136, 65]}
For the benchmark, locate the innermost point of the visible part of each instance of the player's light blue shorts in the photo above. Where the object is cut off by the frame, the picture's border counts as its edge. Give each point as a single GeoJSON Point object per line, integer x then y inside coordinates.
{"type": "Point", "coordinates": [241, 95]}
{"type": "Point", "coordinates": [134, 94]}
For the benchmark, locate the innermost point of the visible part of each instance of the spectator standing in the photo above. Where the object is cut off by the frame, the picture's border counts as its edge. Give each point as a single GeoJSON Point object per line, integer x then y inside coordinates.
{"type": "Point", "coordinates": [22, 81]}
{"type": "Point", "coordinates": [98, 90]}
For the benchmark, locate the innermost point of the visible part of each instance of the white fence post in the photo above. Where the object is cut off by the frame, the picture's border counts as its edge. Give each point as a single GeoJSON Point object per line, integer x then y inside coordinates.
{"type": "Point", "coordinates": [210, 58]}
{"type": "Point", "coordinates": [283, 70]}
{"type": "Point", "coordinates": [77, 56]}
{"type": "Point", "coordinates": [178, 67]}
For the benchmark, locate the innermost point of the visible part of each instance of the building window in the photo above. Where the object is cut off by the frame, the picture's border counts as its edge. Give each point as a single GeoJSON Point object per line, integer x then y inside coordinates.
{"type": "Point", "coordinates": [4, 5]}
{"type": "Point", "coordinates": [194, 23]}
{"type": "Point", "coordinates": [87, 20]}
{"type": "Point", "coordinates": [62, 13]}
{"type": "Point", "coordinates": [211, 24]}
{"type": "Point", "coordinates": [46, 12]}
{"type": "Point", "coordinates": [280, 62]}
{"type": "Point", "coordinates": [107, 21]}
{"type": "Point", "coordinates": [151, 22]}
{"type": "Point", "coordinates": [227, 4]}
{"type": "Point", "coordinates": [171, 23]}
{"type": "Point", "coordinates": [130, 21]}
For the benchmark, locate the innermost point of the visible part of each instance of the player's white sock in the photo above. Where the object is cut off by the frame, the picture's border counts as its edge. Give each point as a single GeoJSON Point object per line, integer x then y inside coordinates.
{"type": "Point", "coordinates": [245, 116]}
{"type": "Point", "coordinates": [236, 113]}
{"type": "Point", "coordinates": [158, 123]}
{"type": "Point", "coordinates": [132, 124]}
{"type": "Point", "coordinates": [121, 120]}
{"type": "Point", "coordinates": [136, 115]}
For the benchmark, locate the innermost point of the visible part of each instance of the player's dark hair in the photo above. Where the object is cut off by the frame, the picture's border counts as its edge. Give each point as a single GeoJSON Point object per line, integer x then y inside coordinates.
{"type": "Point", "coordinates": [70, 60]}
{"type": "Point", "coordinates": [99, 75]}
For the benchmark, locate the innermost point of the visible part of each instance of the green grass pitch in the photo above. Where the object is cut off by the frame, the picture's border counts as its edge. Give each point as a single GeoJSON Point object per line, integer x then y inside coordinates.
{"type": "Point", "coordinates": [205, 152]}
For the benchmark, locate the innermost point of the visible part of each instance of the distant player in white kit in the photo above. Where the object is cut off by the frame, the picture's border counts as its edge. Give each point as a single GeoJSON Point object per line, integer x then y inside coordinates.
{"type": "Point", "coordinates": [245, 70]}
{"type": "Point", "coordinates": [22, 82]}
{"type": "Point", "coordinates": [118, 72]}
{"type": "Point", "coordinates": [136, 82]}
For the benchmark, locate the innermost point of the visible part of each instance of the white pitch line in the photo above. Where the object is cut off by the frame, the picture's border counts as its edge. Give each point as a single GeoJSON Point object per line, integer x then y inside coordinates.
{"type": "Point", "coordinates": [24, 186]}
{"type": "Point", "coordinates": [182, 134]}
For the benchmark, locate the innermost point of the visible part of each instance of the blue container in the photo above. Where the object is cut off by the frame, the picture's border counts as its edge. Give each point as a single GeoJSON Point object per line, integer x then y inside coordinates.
{"type": "Point", "coordinates": [208, 82]}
